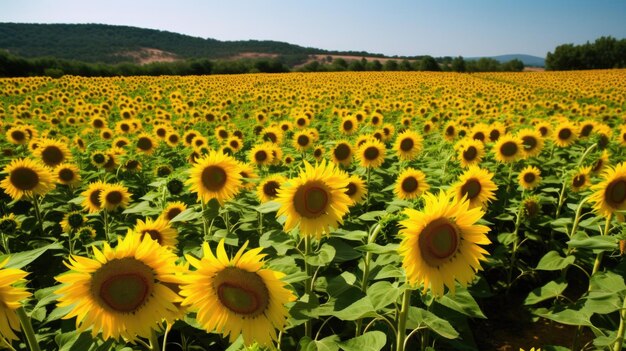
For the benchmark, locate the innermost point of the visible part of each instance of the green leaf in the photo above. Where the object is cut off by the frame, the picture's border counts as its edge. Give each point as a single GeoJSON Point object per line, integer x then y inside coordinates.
{"type": "Point", "coordinates": [359, 309]}
{"type": "Point", "coordinates": [343, 251]}
{"type": "Point", "coordinates": [389, 271]}
{"type": "Point", "coordinates": [370, 341]}
{"type": "Point", "coordinates": [378, 249]}
{"type": "Point", "coordinates": [382, 294]}
{"type": "Point", "coordinates": [372, 216]}
{"type": "Point", "coordinates": [74, 341]}
{"type": "Point", "coordinates": [603, 243]}
{"type": "Point", "coordinates": [567, 316]}
{"type": "Point", "coordinates": [462, 302]}
{"type": "Point", "coordinates": [187, 215]}
{"type": "Point", "coordinates": [144, 207]}
{"type": "Point", "coordinates": [323, 257]}
{"type": "Point", "coordinates": [419, 316]}
{"type": "Point", "coordinates": [21, 259]}
{"type": "Point", "coordinates": [329, 343]}
{"type": "Point", "coordinates": [339, 284]}
{"type": "Point", "coordinates": [606, 284]}
{"type": "Point", "coordinates": [268, 207]}
{"type": "Point", "coordinates": [552, 261]}
{"type": "Point", "coordinates": [551, 290]}
{"type": "Point", "coordinates": [560, 222]}
{"type": "Point", "coordinates": [506, 239]}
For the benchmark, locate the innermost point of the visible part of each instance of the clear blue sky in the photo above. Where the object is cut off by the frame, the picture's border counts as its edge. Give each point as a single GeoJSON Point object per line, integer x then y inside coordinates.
{"type": "Point", "coordinates": [433, 27]}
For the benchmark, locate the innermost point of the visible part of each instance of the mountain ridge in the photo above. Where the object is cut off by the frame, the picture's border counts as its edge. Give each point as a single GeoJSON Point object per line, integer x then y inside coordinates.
{"type": "Point", "coordinates": [103, 43]}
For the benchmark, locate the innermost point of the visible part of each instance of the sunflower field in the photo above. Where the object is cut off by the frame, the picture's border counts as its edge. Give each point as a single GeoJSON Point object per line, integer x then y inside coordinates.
{"type": "Point", "coordinates": [314, 211]}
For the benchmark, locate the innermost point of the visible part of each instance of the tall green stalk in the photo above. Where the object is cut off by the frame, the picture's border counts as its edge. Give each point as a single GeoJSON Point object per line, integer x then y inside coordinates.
{"type": "Point", "coordinates": [308, 326]}
{"type": "Point", "coordinates": [366, 270]}
{"type": "Point", "coordinates": [27, 328]}
{"type": "Point", "coordinates": [402, 317]}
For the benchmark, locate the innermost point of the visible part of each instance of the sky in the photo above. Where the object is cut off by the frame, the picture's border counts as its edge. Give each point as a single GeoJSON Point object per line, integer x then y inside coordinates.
{"type": "Point", "coordinates": [392, 27]}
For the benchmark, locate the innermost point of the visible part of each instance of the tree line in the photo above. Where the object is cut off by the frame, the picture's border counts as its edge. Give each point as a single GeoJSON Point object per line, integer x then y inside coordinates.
{"type": "Point", "coordinates": [604, 53]}
{"type": "Point", "coordinates": [15, 66]}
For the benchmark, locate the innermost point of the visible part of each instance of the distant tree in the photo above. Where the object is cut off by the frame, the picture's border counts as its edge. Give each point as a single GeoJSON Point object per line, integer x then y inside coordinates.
{"type": "Point", "coordinates": [405, 65]}
{"type": "Point", "coordinates": [458, 64]}
{"type": "Point", "coordinates": [514, 65]}
{"type": "Point", "coordinates": [605, 52]}
{"type": "Point", "coordinates": [356, 65]}
{"type": "Point", "coordinates": [429, 63]}
{"type": "Point", "coordinates": [390, 65]}
{"type": "Point", "coordinates": [374, 65]}
{"type": "Point", "coordinates": [339, 64]}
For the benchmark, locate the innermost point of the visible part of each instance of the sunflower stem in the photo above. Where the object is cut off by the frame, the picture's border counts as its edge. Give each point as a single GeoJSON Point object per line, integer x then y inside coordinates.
{"type": "Point", "coordinates": [27, 328]}
{"type": "Point", "coordinates": [518, 222]}
{"type": "Point", "coordinates": [6, 343]}
{"type": "Point", "coordinates": [622, 328]}
{"type": "Point", "coordinates": [508, 183]}
{"type": "Point", "coordinates": [105, 218]}
{"type": "Point", "coordinates": [366, 271]}
{"type": "Point", "coordinates": [205, 230]}
{"type": "Point", "coordinates": [308, 326]}
{"type": "Point", "coordinates": [598, 261]}
{"type": "Point", "coordinates": [404, 312]}
{"type": "Point", "coordinates": [367, 203]}
{"type": "Point", "coordinates": [38, 214]}
{"type": "Point", "coordinates": [168, 328]}
{"type": "Point", "coordinates": [577, 216]}
{"type": "Point", "coordinates": [561, 199]}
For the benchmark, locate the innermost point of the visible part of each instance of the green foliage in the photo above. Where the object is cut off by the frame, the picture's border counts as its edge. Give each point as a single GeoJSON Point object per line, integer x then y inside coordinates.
{"type": "Point", "coordinates": [605, 52]}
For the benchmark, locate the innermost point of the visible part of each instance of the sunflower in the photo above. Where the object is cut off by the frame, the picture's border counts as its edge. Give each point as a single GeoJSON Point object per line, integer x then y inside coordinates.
{"type": "Point", "coordinates": [410, 184]}
{"type": "Point", "coordinates": [532, 142]}
{"type": "Point", "coordinates": [159, 230]}
{"type": "Point", "coordinates": [67, 173]}
{"type": "Point", "coordinates": [120, 142]}
{"type": "Point", "coordinates": [99, 159]}
{"type": "Point", "coordinates": [302, 140]}
{"type": "Point", "coordinates": [132, 165]}
{"type": "Point", "coordinates": [172, 210]}
{"type": "Point", "coordinates": [544, 128]}
{"type": "Point", "coordinates": [581, 179]}
{"type": "Point", "coordinates": [215, 176]}
{"type": "Point", "coordinates": [113, 196]}
{"type": "Point", "coordinates": [9, 224]}
{"type": "Point", "coordinates": [476, 185]}
{"type": "Point", "coordinates": [315, 200]}
{"type": "Point", "coordinates": [92, 201]}
{"type": "Point", "coordinates": [450, 131]}
{"type": "Point", "coordinates": [26, 177]}
{"type": "Point", "coordinates": [237, 296]}
{"type": "Point", "coordinates": [268, 188]}
{"type": "Point", "coordinates": [601, 162]}
{"type": "Point", "coordinates": [371, 153]}
{"type": "Point", "coordinates": [479, 132]}
{"type": "Point", "coordinates": [348, 125]}
{"type": "Point", "coordinates": [17, 135]}
{"type": "Point", "coordinates": [529, 177]}
{"type": "Point", "coordinates": [52, 152]}
{"type": "Point", "coordinates": [408, 145]}
{"type": "Point", "coordinates": [72, 221]}
{"type": "Point", "coordinates": [145, 144]}
{"type": "Point", "coordinates": [261, 155]}
{"type": "Point", "coordinates": [507, 149]}
{"type": "Point", "coordinates": [172, 139]}
{"type": "Point", "coordinates": [496, 131]}
{"type": "Point", "coordinates": [318, 153]}
{"type": "Point", "coordinates": [248, 176]}
{"type": "Point", "coordinates": [610, 195]}
{"type": "Point", "coordinates": [342, 153]}
{"type": "Point", "coordinates": [585, 128]}
{"type": "Point", "coordinates": [356, 189]}
{"type": "Point", "coordinates": [470, 152]}
{"type": "Point", "coordinates": [440, 243]}
{"type": "Point", "coordinates": [531, 206]}
{"type": "Point", "coordinates": [123, 292]}
{"type": "Point", "coordinates": [565, 134]}
{"type": "Point", "coordinates": [11, 298]}
{"type": "Point", "coordinates": [234, 143]}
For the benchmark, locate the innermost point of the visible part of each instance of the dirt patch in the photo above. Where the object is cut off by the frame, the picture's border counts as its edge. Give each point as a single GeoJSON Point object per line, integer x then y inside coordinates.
{"type": "Point", "coordinates": [148, 55]}
{"type": "Point", "coordinates": [253, 55]}
{"type": "Point", "coordinates": [534, 69]}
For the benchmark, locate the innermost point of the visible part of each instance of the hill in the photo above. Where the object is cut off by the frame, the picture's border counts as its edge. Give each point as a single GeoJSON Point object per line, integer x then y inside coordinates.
{"type": "Point", "coordinates": [99, 43]}
{"type": "Point", "coordinates": [528, 60]}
